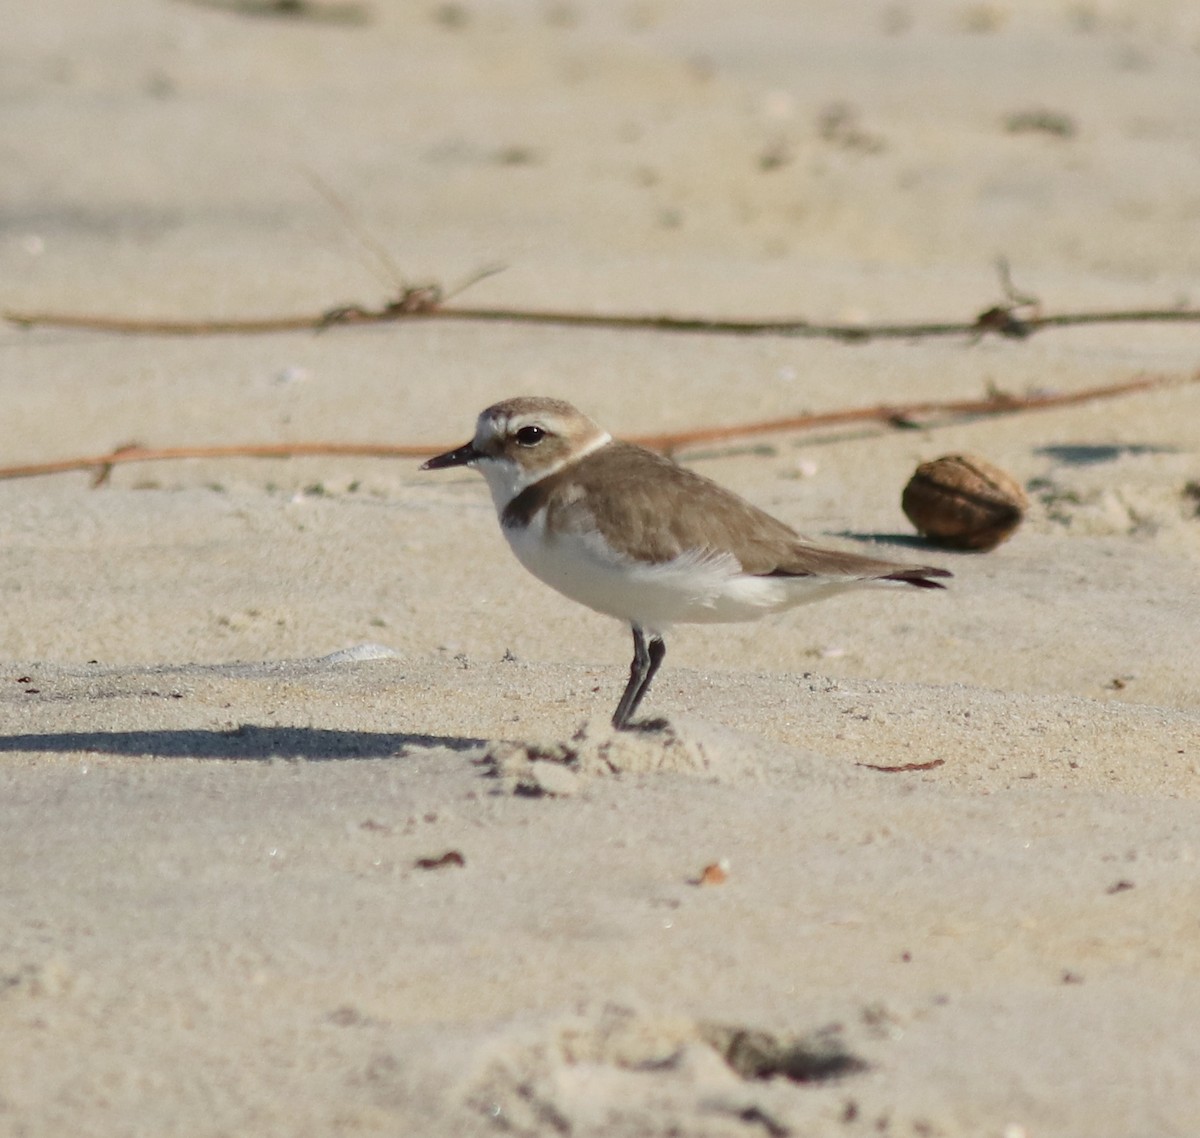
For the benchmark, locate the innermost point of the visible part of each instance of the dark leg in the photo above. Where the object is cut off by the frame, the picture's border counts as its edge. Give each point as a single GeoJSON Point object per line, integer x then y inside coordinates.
{"type": "Point", "coordinates": [646, 659]}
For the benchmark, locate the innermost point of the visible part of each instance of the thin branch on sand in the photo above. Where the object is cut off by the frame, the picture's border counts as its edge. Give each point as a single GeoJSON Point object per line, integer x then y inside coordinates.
{"type": "Point", "coordinates": [427, 302]}
{"type": "Point", "coordinates": [894, 414]}
{"type": "Point", "coordinates": [1017, 318]}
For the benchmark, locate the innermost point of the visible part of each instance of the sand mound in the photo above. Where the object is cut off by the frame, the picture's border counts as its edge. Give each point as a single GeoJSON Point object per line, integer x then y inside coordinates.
{"type": "Point", "coordinates": [687, 745]}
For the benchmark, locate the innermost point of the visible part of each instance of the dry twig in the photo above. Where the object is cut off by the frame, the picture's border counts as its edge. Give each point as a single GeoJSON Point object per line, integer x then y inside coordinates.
{"type": "Point", "coordinates": [899, 414]}
{"type": "Point", "coordinates": [1017, 318]}
{"type": "Point", "coordinates": [906, 414]}
{"type": "Point", "coordinates": [903, 768]}
{"type": "Point", "coordinates": [426, 302]}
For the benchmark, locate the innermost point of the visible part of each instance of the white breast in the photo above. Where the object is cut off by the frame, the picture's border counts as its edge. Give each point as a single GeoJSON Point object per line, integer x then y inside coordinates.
{"type": "Point", "coordinates": [697, 587]}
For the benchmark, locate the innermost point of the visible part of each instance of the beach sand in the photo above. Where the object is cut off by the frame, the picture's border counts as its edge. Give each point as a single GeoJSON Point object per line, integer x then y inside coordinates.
{"type": "Point", "coordinates": [310, 819]}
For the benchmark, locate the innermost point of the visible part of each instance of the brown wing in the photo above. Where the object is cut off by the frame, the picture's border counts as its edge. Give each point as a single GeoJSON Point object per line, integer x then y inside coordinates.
{"type": "Point", "coordinates": [662, 510]}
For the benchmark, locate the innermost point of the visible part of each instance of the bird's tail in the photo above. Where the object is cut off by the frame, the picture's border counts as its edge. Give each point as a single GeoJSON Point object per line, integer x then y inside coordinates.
{"type": "Point", "coordinates": [918, 575]}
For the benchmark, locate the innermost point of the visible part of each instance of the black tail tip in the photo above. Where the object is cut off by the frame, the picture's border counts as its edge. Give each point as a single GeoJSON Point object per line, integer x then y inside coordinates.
{"type": "Point", "coordinates": [920, 577]}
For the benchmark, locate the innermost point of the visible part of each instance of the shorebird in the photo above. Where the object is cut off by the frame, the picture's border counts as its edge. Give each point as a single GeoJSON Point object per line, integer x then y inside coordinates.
{"type": "Point", "coordinates": [631, 534]}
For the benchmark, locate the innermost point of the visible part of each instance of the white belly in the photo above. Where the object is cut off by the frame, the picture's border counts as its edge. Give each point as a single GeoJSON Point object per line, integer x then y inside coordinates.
{"type": "Point", "coordinates": [694, 588]}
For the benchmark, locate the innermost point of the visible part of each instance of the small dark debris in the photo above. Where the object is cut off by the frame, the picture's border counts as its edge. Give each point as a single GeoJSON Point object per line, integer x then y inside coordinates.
{"type": "Point", "coordinates": [1069, 977]}
{"type": "Point", "coordinates": [1001, 319]}
{"type": "Point", "coordinates": [1041, 121]}
{"type": "Point", "coordinates": [450, 857]}
{"type": "Point", "coordinates": [528, 790]}
{"type": "Point", "coordinates": [933, 764]}
{"type": "Point", "coordinates": [1119, 886]}
{"type": "Point", "coordinates": [839, 124]}
{"type": "Point", "coordinates": [516, 156]}
{"type": "Point", "coordinates": [715, 873]}
{"type": "Point", "coordinates": [377, 827]}
{"type": "Point", "coordinates": [344, 12]}
{"type": "Point", "coordinates": [758, 1116]}
{"type": "Point", "coordinates": [761, 1055]}
{"type": "Point", "coordinates": [1191, 491]}
{"type": "Point", "coordinates": [775, 156]}
{"type": "Point", "coordinates": [24, 680]}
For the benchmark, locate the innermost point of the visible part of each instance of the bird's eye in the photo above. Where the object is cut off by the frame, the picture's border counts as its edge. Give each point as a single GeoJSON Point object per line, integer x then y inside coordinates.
{"type": "Point", "coordinates": [530, 436]}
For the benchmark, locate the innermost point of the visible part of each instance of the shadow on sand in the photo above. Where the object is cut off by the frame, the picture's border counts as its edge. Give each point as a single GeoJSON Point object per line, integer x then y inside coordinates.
{"type": "Point", "coordinates": [246, 741]}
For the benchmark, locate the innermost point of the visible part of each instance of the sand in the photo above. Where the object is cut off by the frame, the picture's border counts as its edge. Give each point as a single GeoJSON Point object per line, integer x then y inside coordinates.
{"type": "Point", "coordinates": [310, 819]}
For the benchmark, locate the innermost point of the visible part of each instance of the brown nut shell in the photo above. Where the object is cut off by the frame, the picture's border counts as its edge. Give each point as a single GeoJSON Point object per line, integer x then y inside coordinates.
{"type": "Point", "coordinates": [964, 502]}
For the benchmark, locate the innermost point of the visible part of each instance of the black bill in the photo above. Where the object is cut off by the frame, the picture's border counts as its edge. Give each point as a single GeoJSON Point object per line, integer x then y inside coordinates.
{"type": "Point", "coordinates": [463, 456]}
